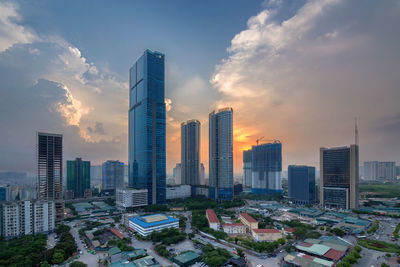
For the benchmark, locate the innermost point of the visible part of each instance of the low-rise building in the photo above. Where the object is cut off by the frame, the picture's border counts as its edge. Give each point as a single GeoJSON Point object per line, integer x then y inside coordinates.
{"type": "Point", "coordinates": [234, 228]}
{"type": "Point", "coordinates": [249, 221]}
{"type": "Point", "coordinates": [287, 231]}
{"type": "Point", "coordinates": [130, 198]}
{"type": "Point", "coordinates": [266, 234]}
{"type": "Point", "coordinates": [187, 259]}
{"type": "Point", "coordinates": [145, 225]}
{"type": "Point", "coordinates": [114, 254]}
{"type": "Point", "coordinates": [329, 248]}
{"type": "Point", "coordinates": [213, 221]}
{"type": "Point", "coordinates": [180, 191]}
{"type": "Point", "coordinates": [296, 259]}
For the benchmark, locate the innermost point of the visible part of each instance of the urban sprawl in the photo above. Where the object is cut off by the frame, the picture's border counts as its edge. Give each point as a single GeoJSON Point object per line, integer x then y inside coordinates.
{"type": "Point", "coordinates": [135, 215]}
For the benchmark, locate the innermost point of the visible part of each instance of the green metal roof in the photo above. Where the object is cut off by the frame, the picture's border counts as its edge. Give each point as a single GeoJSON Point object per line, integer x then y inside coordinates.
{"type": "Point", "coordinates": [186, 257]}
{"type": "Point", "coordinates": [323, 262]}
{"type": "Point", "coordinates": [114, 250]}
{"type": "Point", "coordinates": [122, 264]}
{"type": "Point", "coordinates": [316, 249]}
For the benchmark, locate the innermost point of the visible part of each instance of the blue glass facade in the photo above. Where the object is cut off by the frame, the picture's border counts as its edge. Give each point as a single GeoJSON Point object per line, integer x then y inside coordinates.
{"type": "Point", "coordinates": [301, 182]}
{"type": "Point", "coordinates": [266, 167]}
{"type": "Point", "coordinates": [147, 122]}
{"type": "Point", "coordinates": [221, 154]}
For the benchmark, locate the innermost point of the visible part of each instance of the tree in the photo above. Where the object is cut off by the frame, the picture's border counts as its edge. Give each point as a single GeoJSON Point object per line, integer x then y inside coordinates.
{"type": "Point", "coordinates": [78, 264]}
{"type": "Point", "coordinates": [45, 264]}
{"type": "Point", "coordinates": [300, 232]}
{"type": "Point", "coordinates": [240, 252]}
{"type": "Point", "coordinates": [62, 228]}
{"type": "Point", "coordinates": [338, 232]}
{"type": "Point", "coordinates": [58, 256]}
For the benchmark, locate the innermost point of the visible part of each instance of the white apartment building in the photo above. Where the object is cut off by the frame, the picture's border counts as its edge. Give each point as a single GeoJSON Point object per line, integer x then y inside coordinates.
{"type": "Point", "coordinates": [128, 197]}
{"type": "Point", "coordinates": [234, 228]}
{"type": "Point", "coordinates": [44, 216]}
{"type": "Point", "coordinates": [26, 217]}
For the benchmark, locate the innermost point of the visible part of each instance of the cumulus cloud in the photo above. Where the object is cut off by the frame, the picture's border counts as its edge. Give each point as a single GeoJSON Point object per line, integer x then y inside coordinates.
{"type": "Point", "coordinates": [48, 85]}
{"type": "Point", "coordinates": [303, 78]}
{"type": "Point", "coordinates": [10, 32]}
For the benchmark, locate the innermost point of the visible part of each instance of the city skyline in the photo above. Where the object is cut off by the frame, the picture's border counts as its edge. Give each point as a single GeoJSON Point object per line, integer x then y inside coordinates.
{"type": "Point", "coordinates": [250, 61]}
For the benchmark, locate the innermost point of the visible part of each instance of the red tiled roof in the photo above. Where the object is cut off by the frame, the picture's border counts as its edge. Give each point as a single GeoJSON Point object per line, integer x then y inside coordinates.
{"type": "Point", "coordinates": [117, 233]}
{"type": "Point", "coordinates": [305, 244]}
{"type": "Point", "coordinates": [212, 218]}
{"type": "Point", "coordinates": [232, 224]}
{"type": "Point", "coordinates": [290, 230]}
{"type": "Point", "coordinates": [248, 218]}
{"type": "Point", "coordinates": [265, 231]}
{"type": "Point", "coordinates": [334, 254]}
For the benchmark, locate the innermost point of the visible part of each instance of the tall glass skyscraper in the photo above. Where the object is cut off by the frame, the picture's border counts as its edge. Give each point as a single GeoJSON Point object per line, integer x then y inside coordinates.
{"type": "Point", "coordinates": [339, 177]}
{"type": "Point", "coordinates": [147, 120]}
{"type": "Point", "coordinates": [49, 156]}
{"type": "Point", "coordinates": [247, 170]}
{"type": "Point", "coordinates": [78, 176]}
{"type": "Point", "coordinates": [221, 154]}
{"type": "Point", "coordinates": [112, 176]}
{"type": "Point", "coordinates": [267, 168]}
{"type": "Point", "coordinates": [301, 182]}
{"type": "Point", "coordinates": [190, 154]}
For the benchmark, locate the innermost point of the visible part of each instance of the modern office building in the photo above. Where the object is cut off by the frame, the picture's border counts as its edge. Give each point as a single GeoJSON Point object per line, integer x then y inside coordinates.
{"type": "Point", "coordinates": [130, 198]}
{"type": "Point", "coordinates": [49, 156]}
{"type": "Point", "coordinates": [339, 177]}
{"type": "Point", "coordinates": [145, 225]}
{"type": "Point", "coordinates": [147, 125]}
{"type": "Point", "coordinates": [113, 176]}
{"type": "Point", "coordinates": [179, 191]}
{"type": "Point", "coordinates": [301, 184]}
{"type": "Point", "coordinates": [247, 170]}
{"type": "Point", "coordinates": [177, 173]}
{"type": "Point", "coordinates": [96, 175]}
{"type": "Point", "coordinates": [221, 154]}
{"type": "Point", "coordinates": [380, 170]}
{"type": "Point", "coordinates": [190, 154]}
{"type": "Point", "coordinates": [5, 193]}
{"type": "Point", "coordinates": [266, 168]}
{"type": "Point", "coordinates": [27, 193]}
{"type": "Point", "coordinates": [20, 218]}
{"type": "Point", "coordinates": [78, 177]}
{"type": "Point", "coordinates": [202, 174]}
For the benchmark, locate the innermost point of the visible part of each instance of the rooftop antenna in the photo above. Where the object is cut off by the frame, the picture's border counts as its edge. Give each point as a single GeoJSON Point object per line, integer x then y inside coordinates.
{"type": "Point", "coordinates": [356, 130]}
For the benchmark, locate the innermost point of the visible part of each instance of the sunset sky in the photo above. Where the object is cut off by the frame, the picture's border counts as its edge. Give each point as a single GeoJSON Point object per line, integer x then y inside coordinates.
{"type": "Point", "coordinates": [297, 71]}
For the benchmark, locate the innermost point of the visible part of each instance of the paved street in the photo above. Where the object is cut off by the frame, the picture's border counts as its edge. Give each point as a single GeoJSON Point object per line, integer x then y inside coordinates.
{"type": "Point", "coordinates": [51, 242]}
{"type": "Point", "coordinates": [370, 258]}
{"type": "Point", "coordinates": [88, 258]}
{"type": "Point", "coordinates": [253, 260]}
{"type": "Point", "coordinates": [148, 245]}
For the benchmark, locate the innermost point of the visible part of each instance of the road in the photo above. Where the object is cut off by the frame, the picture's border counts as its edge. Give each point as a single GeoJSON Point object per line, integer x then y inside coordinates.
{"type": "Point", "coordinates": [148, 245]}
{"type": "Point", "coordinates": [253, 260]}
{"type": "Point", "coordinates": [86, 257]}
{"type": "Point", "coordinates": [370, 258]}
{"type": "Point", "coordinates": [51, 242]}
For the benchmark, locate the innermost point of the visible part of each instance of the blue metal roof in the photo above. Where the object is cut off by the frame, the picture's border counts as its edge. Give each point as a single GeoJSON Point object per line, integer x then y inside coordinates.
{"type": "Point", "coordinates": [138, 221]}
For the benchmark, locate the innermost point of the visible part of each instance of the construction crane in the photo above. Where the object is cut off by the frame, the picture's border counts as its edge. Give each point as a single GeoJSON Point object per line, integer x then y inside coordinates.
{"type": "Point", "coordinates": [269, 140]}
